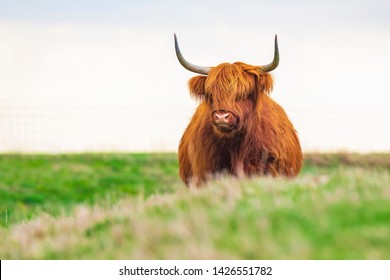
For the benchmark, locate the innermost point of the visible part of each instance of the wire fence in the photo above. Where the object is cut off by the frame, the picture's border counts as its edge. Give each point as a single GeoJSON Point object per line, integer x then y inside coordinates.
{"type": "Point", "coordinates": [61, 128]}
{"type": "Point", "coordinates": [73, 128]}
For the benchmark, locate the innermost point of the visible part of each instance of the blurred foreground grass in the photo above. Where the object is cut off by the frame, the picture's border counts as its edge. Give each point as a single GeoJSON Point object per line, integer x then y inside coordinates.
{"type": "Point", "coordinates": [133, 206]}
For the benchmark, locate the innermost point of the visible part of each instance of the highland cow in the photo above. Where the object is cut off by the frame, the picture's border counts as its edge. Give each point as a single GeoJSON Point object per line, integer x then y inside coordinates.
{"type": "Point", "coordinates": [237, 128]}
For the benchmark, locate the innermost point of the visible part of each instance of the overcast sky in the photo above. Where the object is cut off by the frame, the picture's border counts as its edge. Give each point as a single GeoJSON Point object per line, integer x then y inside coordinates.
{"type": "Point", "coordinates": [102, 75]}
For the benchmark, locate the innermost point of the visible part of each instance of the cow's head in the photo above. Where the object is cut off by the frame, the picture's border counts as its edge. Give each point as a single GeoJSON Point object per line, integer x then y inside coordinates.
{"type": "Point", "coordinates": [230, 91]}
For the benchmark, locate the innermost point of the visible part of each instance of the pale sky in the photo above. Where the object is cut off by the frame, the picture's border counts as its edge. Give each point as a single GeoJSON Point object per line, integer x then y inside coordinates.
{"type": "Point", "coordinates": [103, 76]}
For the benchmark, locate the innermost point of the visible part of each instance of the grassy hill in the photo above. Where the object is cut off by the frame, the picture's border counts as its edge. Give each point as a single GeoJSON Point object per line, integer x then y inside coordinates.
{"type": "Point", "coordinates": [133, 206]}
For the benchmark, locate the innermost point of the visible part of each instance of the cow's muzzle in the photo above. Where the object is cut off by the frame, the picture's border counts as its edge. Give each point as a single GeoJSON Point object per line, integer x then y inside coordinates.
{"type": "Point", "coordinates": [224, 121]}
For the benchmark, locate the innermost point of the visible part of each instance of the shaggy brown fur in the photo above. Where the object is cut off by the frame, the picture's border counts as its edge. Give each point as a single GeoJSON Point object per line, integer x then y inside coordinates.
{"type": "Point", "coordinates": [264, 142]}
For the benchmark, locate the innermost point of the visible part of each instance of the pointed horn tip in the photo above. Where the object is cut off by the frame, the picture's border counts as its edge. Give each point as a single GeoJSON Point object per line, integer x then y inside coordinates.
{"type": "Point", "coordinates": [275, 61]}
{"type": "Point", "coordinates": [176, 43]}
{"type": "Point", "coordinates": [191, 67]}
{"type": "Point", "coordinates": [276, 43]}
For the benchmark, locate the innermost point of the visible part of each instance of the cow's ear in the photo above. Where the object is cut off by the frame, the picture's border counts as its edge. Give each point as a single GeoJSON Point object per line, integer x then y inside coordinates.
{"type": "Point", "coordinates": [197, 87]}
{"type": "Point", "coordinates": [265, 83]}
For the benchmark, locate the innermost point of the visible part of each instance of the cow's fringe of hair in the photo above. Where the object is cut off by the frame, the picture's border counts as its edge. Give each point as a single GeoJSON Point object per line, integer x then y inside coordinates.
{"type": "Point", "coordinates": [239, 78]}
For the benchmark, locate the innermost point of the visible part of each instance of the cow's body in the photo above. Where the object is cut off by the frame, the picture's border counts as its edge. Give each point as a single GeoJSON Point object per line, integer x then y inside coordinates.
{"type": "Point", "coordinates": [237, 128]}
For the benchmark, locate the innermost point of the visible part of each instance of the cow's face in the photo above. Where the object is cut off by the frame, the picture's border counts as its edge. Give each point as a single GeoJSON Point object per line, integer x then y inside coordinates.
{"type": "Point", "coordinates": [230, 93]}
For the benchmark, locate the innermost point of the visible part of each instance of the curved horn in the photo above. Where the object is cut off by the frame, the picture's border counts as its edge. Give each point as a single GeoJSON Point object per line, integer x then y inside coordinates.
{"type": "Point", "coordinates": [275, 62]}
{"type": "Point", "coordinates": [189, 66]}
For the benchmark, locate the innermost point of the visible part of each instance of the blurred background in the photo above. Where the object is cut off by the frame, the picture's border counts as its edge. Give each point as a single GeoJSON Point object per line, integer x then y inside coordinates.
{"type": "Point", "coordinates": [85, 76]}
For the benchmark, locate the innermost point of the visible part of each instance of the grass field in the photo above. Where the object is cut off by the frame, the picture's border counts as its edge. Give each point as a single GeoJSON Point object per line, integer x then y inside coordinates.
{"type": "Point", "coordinates": [134, 206]}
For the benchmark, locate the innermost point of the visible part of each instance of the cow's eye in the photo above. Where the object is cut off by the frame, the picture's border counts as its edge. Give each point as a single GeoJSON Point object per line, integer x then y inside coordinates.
{"type": "Point", "coordinates": [209, 99]}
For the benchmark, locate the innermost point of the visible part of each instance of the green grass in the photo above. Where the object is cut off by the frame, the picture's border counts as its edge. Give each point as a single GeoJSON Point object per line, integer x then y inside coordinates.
{"type": "Point", "coordinates": [133, 206]}
{"type": "Point", "coordinates": [30, 184]}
